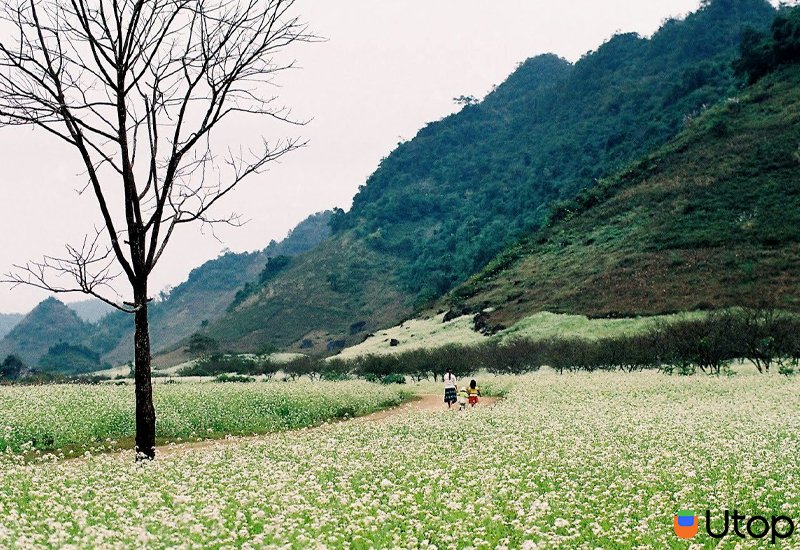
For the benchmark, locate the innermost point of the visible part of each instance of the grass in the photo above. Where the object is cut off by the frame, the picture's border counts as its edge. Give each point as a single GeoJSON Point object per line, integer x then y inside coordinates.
{"type": "Point", "coordinates": [46, 418]}
{"type": "Point", "coordinates": [542, 326]}
{"type": "Point", "coordinates": [433, 333]}
{"type": "Point", "coordinates": [416, 334]}
{"type": "Point", "coordinates": [598, 460]}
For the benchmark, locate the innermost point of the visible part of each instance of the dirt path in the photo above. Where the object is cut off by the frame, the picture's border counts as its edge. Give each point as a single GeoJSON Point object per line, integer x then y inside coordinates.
{"type": "Point", "coordinates": [426, 402]}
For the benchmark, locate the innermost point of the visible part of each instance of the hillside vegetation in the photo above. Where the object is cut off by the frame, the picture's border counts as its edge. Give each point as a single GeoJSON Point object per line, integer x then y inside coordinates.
{"type": "Point", "coordinates": [49, 323]}
{"type": "Point", "coordinates": [441, 206]}
{"type": "Point", "coordinates": [9, 321]}
{"type": "Point", "coordinates": [439, 331]}
{"type": "Point", "coordinates": [448, 201]}
{"type": "Point", "coordinates": [209, 290]}
{"type": "Point", "coordinates": [320, 303]}
{"type": "Point", "coordinates": [177, 314]}
{"type": "Point", "coordinates": [708, 221]}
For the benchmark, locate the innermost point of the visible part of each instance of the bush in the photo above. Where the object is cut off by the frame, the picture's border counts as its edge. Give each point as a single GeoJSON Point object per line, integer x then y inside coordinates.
{"type": "Point", "coordinates": [764, 337]}
{"type": "Point", "coordinates": [225, 378]}
{"type": "Point", "coordinates": [376, 366]}
{"type": "Point", "coordinates": [200, 344]}
{"type": "Point", "coordinates": [393, 379]}
{"type": "Point", "coordinates": [11, 368]}
{"type": "Point", "coordinates": [303, 366]}
{"type": "Point", "coordinates": [335, 370]}
{"type": "Point", "coordinates": [767, 336]}
{"type": "Point", "coordinates": [218, 363]}
{"type": "Point", "coordinates": [516, 357]}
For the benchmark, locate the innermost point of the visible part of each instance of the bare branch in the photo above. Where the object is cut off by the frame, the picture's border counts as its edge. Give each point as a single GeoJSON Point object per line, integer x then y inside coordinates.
{"type": "Point", "coordinates": [138, 88]}
{"type": "Point", "coordinates": [90, 266]}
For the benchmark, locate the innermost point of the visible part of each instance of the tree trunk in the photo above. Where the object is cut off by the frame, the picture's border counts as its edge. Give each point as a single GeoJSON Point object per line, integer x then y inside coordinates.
{"type": "Point", "coordinates": [145, 412]}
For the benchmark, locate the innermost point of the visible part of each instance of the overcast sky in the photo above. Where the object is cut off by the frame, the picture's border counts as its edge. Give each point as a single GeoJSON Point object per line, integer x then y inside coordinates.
{"type": "Point", "coordinates": [388, 67]}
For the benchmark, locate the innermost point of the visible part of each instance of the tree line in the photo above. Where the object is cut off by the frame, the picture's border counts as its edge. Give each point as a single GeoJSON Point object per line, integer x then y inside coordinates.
{"type": "Point", "coordinates": [768, 339]}
{"type": "Point", "coordinates": [762, 53]}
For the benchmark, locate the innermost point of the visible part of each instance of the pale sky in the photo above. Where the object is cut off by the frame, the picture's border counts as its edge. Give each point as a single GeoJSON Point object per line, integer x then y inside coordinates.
{"type": "Point", "coordinates": [388, 67]}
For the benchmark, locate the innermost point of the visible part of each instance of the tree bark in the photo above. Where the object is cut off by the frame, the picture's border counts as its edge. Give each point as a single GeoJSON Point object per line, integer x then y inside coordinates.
{"type": "Point", "coordinates": [145, 412]}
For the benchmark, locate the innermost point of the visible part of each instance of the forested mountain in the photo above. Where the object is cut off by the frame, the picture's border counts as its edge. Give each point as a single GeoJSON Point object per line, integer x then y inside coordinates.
{"type": "Point", "coordinates": [711, 220]}
{"type": "Point", "coordinates": [203, 297]}
{"type": "Point", "coordinates": [8, 321]}
{"type": "Point", "coordinates": [448, 200]}
{"type": "Point", "coordinates": [206, 294]}
{"type": "Point", "coordinates": [49, 323]}
{"type": "Point", "coordinates": [91, 310]}
{"type": "Point", "coordinates": [443, 204]}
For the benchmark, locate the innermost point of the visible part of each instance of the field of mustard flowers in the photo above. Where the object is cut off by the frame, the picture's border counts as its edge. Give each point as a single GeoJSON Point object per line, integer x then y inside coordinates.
{"type": "Point", "coordinates": [571, 461]}
{"type": "Point", "coordinates": [95, 417]}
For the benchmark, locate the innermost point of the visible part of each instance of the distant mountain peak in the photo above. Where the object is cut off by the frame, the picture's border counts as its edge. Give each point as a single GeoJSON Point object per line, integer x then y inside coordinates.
{"type": "Point", "coordinates": [49, 323]}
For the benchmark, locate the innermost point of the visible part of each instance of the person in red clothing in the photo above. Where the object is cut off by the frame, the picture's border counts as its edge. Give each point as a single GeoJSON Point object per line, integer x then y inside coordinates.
{"type": "Point", "coordinates": [473, 392]}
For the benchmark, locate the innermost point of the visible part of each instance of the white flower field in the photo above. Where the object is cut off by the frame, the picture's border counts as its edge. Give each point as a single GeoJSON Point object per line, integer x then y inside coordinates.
{"type": "Point", "coordinates": [571, 461]}
{"type": "Point", "coordinates": [94, 417]}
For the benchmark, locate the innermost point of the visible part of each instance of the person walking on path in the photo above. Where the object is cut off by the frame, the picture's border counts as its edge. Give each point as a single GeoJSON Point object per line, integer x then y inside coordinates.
{"type": "Point", "coordinates": [474, 393]}
{"type": "Point", "coordinates": [450, 387]}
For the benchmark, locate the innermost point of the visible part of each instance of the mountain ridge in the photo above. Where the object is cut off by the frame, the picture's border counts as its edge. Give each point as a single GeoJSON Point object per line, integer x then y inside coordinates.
{"type": "Point", "coordinates": [442, 205]}
{"type": "Point", "coordinates": [708, 221]}
{"type": "Point", "coordinates": [49, 323]}
{"type": "Point", "coordinates": [205, 295]}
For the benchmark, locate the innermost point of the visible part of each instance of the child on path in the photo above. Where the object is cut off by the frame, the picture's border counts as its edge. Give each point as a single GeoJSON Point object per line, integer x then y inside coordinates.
{"type": "Point", "coordinates": [474, 392]}
{"type": "Point", "coordinates": [463, 396]}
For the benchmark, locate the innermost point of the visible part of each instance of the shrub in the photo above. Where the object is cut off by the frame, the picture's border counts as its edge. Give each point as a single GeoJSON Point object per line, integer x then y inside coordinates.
{"type": "Point", "coordinates": [516, 357]}
{"type": "Point", "coordinates": [11, 368]}
{"type": "Point", "coordinates": [200, 344]}
{"type": "Point", "coordinates": [225, 378]}
{"type": "Point", "coordinates": [218, 363]}
{"type": "Point", "coordinates": [393, 379]}
{"type": "Point", "coordinates": [302, 366]}
{"type": "Point", "coordinates": [767, 336]}
{"type": "Point", "coordinates": [335, 370]}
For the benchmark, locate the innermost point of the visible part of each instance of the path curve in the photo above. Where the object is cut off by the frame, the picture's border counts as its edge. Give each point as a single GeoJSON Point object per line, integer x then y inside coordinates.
{"type": "Point", "coordinates": [425, 402]}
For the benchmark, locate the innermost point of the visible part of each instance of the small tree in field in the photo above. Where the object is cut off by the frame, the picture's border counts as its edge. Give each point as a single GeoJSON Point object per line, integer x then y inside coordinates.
{"type": "Point", "coordinates": [137, 89]}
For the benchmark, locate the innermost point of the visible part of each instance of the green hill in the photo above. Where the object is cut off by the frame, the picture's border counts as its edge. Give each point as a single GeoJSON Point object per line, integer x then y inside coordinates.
{"type": "Point", "coordinates": [71, 360]}
{"type": "Point", "coordinates": [205, 295]}
{"type": "Point", "coordinates": [708, 221]}
{"type": "Point", "coordinates": [91, 310]}
{"type": "Point", "coordinates": [322, 302]}
{"type": "Point", "coordinates": [49, 323]}
{"type": "Point", "coordinates": [442, 205]}
{"type": "Point", "coordinates": [177, 314]}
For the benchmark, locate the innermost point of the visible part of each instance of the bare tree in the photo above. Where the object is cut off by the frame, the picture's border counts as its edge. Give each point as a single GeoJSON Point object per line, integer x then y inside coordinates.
{"type": "Point", "coordinates": [138, 88]}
